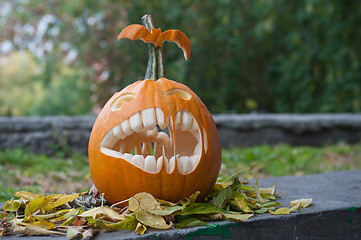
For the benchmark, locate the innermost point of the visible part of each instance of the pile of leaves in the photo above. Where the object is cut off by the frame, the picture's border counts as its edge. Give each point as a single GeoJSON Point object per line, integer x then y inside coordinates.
{"type": "Point", "coordinates": [82, 215]}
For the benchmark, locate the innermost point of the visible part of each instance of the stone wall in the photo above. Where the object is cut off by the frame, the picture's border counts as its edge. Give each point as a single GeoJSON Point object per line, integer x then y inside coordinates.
{"type": "Point", "coordinates": [51, 134]}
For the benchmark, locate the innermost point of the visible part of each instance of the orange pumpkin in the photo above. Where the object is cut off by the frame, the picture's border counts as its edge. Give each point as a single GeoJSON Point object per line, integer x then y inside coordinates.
{"type": "Point", "coordinates": [154, 136]}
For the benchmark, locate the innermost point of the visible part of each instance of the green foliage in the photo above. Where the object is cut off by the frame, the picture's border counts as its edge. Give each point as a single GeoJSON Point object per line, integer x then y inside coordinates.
{"type": "Point", "coordinates": [274, 56]}
{"type": "Point", "coordinates": [283, 159]}
{"type": "Point", "coordinates": [24, 170]}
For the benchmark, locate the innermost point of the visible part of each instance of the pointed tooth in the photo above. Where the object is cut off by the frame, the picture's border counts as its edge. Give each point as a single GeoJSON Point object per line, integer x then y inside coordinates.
{"type": "Point", "coordinates": [138, 148]}
{"type": "Point", "coordinates": [147, 149]}
{"type": "Point", "coordinates": [148, 118]}
{"type": "Point", "coordinates": [195, 159]}
{"type": "Point", "coordinates": [136, 122]}
{"type": "Point", "coordinates": [109, 140]}
{"type": "Point", "coordinates": [127, 156]}
{"type": "Point", "coordinates": [186, 121]}
{"type": "Point", "coordinates": [138, 160]}
{"type": "Point", "coordinates": [184, 165]}
{"type": "Point", "coordinates": [118, 132]}
{"type": "Point", "coordinates": [162, 123]}
{"type": "Point", "coordinates": [171, 164]}
{"type": "Point", "coordinates": [163, 139]}
{"type": "Point", "coordinates": [178, 120]}
{"type": "Point", "coordinates": [198, 149]}
{"type": "Point", "coordinates": [126, 127]}
{"type": "Point", "coordinates": [150, 164]}
{"type": "Point", "coordinates": [194, 126]}
{"type": "Point", "coordinates": [157, 149]}
{"type": "Point", "coordinates": [159, 164]}
{"type": "Point", "coordinates": [110, 152]}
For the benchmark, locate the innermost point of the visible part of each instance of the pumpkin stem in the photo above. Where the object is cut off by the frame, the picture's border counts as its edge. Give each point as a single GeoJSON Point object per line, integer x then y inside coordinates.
{"type": "Point", "coordinates": [152, 71]}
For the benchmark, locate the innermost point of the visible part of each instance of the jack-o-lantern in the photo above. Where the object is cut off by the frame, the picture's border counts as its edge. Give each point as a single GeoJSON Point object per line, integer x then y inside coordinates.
{"type": "Point", "coordinates": [155, 135]}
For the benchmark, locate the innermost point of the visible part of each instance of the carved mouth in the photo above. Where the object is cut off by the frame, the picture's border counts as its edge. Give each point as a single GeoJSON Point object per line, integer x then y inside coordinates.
{"type": "Point", "coordinates": [148, 139]}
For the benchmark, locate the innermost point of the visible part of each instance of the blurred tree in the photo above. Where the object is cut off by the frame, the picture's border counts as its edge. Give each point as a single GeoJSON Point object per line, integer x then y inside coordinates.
{"type": "Point", "coordinates": [273, 56]}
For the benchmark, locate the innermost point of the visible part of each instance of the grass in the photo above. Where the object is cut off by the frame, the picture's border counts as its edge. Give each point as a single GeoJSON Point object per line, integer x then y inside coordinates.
{"type": "Point", "coordinates": [23, 170]}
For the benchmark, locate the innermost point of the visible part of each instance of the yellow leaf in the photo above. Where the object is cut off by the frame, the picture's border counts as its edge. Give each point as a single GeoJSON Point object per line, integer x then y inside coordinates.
{"type": "Point", "coordinates": [151, 220]}
{"type": "Point", "coordinates": [12, 205]}
{"type": "Point", "coordinates": [102, 211]}
{"type": "Point", "coordinates": [270, 191]}
{"type": "Point", "coordinates": [143, 201]}
{"type": "Point", "coordinates": [27, 195]}
{"type": "Point", "coordinates": [33, 231]}
{"type": "Point", "coordinates": [36, 204]}
{"type": "Point", "coordinates": [166, 203]}
{"type": "Point", "coordinates": [281, 211]}
{"type": "Point", "coordinates": [39, 224]}
{"type": "Point", "coordinates": [140, 229]}
{"type": "Point", "coordinates": [237, 216]}
{"type": "Point", "coordinates": [305, 202]}
{"type": "Point", "coordinates": [60, 199]}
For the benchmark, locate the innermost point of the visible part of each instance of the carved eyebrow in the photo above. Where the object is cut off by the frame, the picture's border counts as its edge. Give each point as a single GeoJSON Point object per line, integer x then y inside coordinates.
{"type": "Point", "coordinates": [117, 103]}
{"type": "Point", "coordinates": [183, 94]}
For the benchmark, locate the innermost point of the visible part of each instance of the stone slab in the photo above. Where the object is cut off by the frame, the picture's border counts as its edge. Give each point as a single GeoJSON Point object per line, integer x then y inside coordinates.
{"type": "Point", "coordinates": [335, 213]}
{"type": "Point", "coordinates": [71, 134]}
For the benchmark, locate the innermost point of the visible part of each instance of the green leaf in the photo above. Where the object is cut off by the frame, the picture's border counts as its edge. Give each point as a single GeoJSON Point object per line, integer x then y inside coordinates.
{"type": "Point", "coordinates": [191, 222]}
{"type": "Point", "coordinates": [192, 198]}
{"type": "Point", "coordinates": [12, 205]}
{"type": "Point", "coordinates": [271, 204]}
{"type": "Point", "coordinates": [128, 223]}
{"type": "Point", "coordinates": [241, 205]}
{"type": "Point", "coordinates": [165, 210]}
{"type": "Point", "coordinates": [200, 208]}
{"type": "Point", "coordinates": [222, 198]}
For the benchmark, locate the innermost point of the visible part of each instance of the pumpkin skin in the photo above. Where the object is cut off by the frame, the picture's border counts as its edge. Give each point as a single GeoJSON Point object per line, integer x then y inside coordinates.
{"type": "Point", "coordinates": [120, 179]}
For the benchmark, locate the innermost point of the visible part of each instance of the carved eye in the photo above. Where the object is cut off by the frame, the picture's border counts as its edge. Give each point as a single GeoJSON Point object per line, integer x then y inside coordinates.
{"type": "Point", "coordinates": [183, 94]}
{"type": "Point", "coordinates": [116, 105]}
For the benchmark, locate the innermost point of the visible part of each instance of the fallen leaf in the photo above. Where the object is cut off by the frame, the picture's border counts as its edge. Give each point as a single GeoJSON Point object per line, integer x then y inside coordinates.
{"type": "Point", "coordinates": [104, 211]}
{"type": "Point", "coordinates": [129, 223]}
{"type": "Point", "coordinates": [200, 208]}
{"type": "Point", "coordinates": [271, 204]}
{"type": "Point", "coordinates": [281, 211]}
{"type": "Point", "coordinates": [78, 221]}
{"type": "Point", "coordinates": [27, 195]}
{"type": "Point", "coordinates": [144, 201]}
{"type": "Point", "coordinates": [12, 205]}
{"type": "Point", "coordinates": [58, 200]}
{"type": "Point", "coordinates": [140, 229]}
{"type": "Point", "coordinates": [151, 220]}
{"type": "Point", "coordinates": [222, 198]}
{"type": "Point", "coordinates": [34, 231]}
{"type": "Point", "coordinates": [41, 223]}
{"type": "Point", "coordinates": [304, 202]}
{"type": "Point", "coordinates": [190, 222]}
{"type": "Point", "coordinates": [73, 233]}
{"type": "Point", "coordinates": [90, 233]}
{"type": "Point", "coordinates": [36, 204]}
{"type": "Point", "coordinates": [165, 210]}
{"type": "Point", "coordinates": [237, 216]}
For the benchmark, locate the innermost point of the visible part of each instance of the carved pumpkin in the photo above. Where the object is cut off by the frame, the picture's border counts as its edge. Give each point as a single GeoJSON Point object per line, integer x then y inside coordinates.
{"type": "Point", "coordinates": [154, 136]}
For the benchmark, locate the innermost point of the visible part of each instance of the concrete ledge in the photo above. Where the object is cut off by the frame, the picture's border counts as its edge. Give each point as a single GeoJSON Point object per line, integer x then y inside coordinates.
{"type": "Point", "coordinates": [68, 134]}
{"type": "Point", "coordinates": [295, 129]}
{"type": "Point", "coordinates": [335, 213]}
